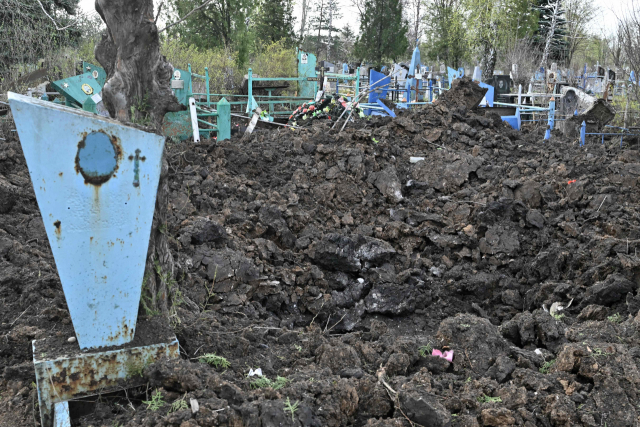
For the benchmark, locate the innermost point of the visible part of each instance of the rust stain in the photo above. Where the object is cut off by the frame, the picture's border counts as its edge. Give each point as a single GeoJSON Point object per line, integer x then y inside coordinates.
{"type": "Point", "coordinates": [57, 224]}
{"type": "Point", "coordinates": [96, 196]}
{"type": "Point", "coordinates": [98, 180]}
{"type": "Point", "coordinates": [60, 174]}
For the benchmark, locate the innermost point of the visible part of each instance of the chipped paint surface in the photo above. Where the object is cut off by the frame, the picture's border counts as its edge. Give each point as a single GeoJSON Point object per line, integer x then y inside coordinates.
{"type": "Point", "coordinates": [76, 375]}
{"type": "Point", "coordinates": [98, 157]}
{"type": "Point", "coordinates": [97, 208]}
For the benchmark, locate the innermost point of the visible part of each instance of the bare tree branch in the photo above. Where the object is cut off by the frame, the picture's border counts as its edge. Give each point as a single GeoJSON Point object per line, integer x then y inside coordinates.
{"type": "Point", "coordinates": [54, 21]}
{"type": "Point", "coordinates": [159, 10]}
{"type": "Point", "coordinates": [184, 17]}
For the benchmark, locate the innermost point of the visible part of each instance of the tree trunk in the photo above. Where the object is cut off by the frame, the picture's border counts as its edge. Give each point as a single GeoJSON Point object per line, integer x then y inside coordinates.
{"type": "Point", "coordinates": [331, 6]}
{"type": "Point", "coordinates": [303, 20]}
{"type": "Point", "coordinates": [416, 25]}
{"type": "Point", "coordinates": [550, 34]}
{"type": "Point", "coordinates": [138, 83]}
{"type": "Point", "coordinates": [319, 28]}
{"type": "Point", "coordinates": [489, 56]}
{"type": "Point", "coordinates": [138, 75]}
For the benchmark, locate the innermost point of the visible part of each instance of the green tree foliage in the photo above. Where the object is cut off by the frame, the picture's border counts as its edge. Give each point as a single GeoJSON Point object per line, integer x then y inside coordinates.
{"type": "Point", "coordinates": [222, 23]}
{"type": "Point", "coordinates": [344, 45]}
{"type": "Point", "coordinates": [27, 35]}
{"type": "Point", "coordinates": [445, 33]}
{"type": "Point", "coordinates": [492, 25]}
{"type": "Point", "coordinates": [275, 21]}
{"type": "Point", "coordinates": [579, 15]}
{"type": "Point", "coordinates": [322, 34]}
{"type": "Point", "coordinates": [382, 32]}
{"type": "Point", "coordinates": [559, 49]}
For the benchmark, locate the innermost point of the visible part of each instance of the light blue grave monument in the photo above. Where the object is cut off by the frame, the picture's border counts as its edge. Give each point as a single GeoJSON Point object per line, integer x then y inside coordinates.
{"type": "Point", "coordinates": [95, 181]}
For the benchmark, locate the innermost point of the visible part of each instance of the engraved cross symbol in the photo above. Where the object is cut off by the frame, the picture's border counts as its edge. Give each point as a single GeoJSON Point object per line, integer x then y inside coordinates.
{"type": "Point", "coordinates": [136, 168]}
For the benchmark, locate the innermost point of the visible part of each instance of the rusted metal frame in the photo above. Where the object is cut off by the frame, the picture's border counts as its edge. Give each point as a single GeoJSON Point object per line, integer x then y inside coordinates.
{"type": "Point", "coordinates": [80, 374]}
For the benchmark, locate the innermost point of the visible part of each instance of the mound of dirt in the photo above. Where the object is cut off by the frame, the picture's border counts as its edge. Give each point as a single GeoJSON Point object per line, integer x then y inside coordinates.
{"type": "Point", "coordinates": [337, 263]}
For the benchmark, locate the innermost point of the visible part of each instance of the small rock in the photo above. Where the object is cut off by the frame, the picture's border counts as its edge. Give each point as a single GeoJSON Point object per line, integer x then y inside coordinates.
{"type": "Point", "coordinates": [436, 364]}
{"type": "Point", "coordinates": [497, 417]}
{"type": "Point", "coordinates": [614, 288]}
{"type": "Point", "coordinates": [347, 219]}
{"type": "Point", "coordinates": [447, 261]}
{"type": "Point", "coordinates": [501, 370]}
{"type": "Point", "coordinates": [593, 312]}
{"type": "Point", "coordinates": [377, 329]}
{"type": "Point", "coordinates": [397, 364]}
{"type": "Point", "coordinates": [512, 298]}
{"type": "Point", "coordinates": [424, 409]}
{"type": "Point", "coordinates": [469, 230]}
{"type": "Point", "coordinates": [388, 184]}
{"type": "Point", "coordinates": [71, 340]}
{"type": "Point", "coordinates": [535, 218]}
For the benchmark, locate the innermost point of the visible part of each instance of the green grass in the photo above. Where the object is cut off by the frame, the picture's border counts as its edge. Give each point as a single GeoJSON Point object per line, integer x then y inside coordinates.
{"type": "Point", "coordinates": [425, 350]}
{"type": "Point", "coordinates": [291, 408]}
{"type": "Point", "coordinates": [179, 404]}
{"type": "Point", "coordinates": [156, 401]}
{"type": "Point", "coordinates": [558, 316]}
{"type": "Point", "coordinates": [600, 352]}
{"type": "Point", "coordinates": [215, 361]}
{"type": "Point", "coordinates": [546, 367]}
{"type": "Point", "coordinates": [489, 399]}
{"type": "Point", "coordinates": [615, 318]}
{"type": "Point", "coordinates": [264, 382]}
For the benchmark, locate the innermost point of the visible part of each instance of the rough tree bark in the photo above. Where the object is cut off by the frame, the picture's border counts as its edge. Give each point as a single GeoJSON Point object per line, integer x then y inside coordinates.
{"type": "Point", "coordinates": [489, 57]}
{"type": "Point", "coordinates": [550, 34]}
{"type": "Point", "coordinates": [139, 76]}
{"type": "Point", "coordinates": [303, 20]}
{"type": "Point", "coordinates": [130, 53]}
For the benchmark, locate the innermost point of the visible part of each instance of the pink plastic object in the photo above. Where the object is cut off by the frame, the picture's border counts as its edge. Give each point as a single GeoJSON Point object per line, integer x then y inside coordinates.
{"type": "Point", "coordinates": [447, 354]}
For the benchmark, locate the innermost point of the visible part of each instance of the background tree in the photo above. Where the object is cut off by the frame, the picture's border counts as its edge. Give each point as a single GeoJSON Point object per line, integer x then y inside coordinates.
{"type": "Point", "coordinates": [360, 6]}
{"type": "Point", "coordinates": [492, 26]}
{"type": "Point", "coordinates": [484, 28]}
{"type": "Point", "coordinates": [445, 33]}
{"type": "Point", "coordinates": [274, 21]}
{"type": "Point", "coordinates": [617, 47]}
{"type": "Point", "coordinates": [578, 14]}
{"type": "Point", "coordinates": [222, 23]}
{"type": "Point", "coordinates": [382, 32]}
{"type": "Point", "coordinates": [552, 31]}
{"type": "Point", "coordinates": [28, 35]}
{"type": "Point", "coordinates": [322, 19]}
{"type": "Point", "coordinates": [414, 10]}
{"type": "Point", "coordinates": [629, 33]}
{"type": "Point", "coordinates": [525, 55]}
{"type": "Point", "coordinates": [303, 19]}
{"type": "Point", "coordinates": [344, 50]}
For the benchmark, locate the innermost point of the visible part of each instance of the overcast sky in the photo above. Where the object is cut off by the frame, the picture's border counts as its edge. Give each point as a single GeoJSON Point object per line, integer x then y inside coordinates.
{"type": "Point", "coordinates": [606, 21]}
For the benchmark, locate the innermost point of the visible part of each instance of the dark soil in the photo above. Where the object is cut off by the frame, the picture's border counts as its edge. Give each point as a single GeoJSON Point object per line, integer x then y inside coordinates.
{"type": "Point", "coordinates": [332, 261]}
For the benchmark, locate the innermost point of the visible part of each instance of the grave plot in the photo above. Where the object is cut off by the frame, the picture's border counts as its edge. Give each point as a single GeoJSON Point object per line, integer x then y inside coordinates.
{"type": "Point", "coordinates": [438, 268]}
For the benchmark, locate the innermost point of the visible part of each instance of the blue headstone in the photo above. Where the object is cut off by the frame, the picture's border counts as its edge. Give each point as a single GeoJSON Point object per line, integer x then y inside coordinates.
{"type": "Point", "coordinates": [95, 181]}
{"type": "Point", "coordinates": [411, 80]}
{"type": "Point", "coordinates": [489, 96]}
{"type": "Point", "coordinates": [307, 70]}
